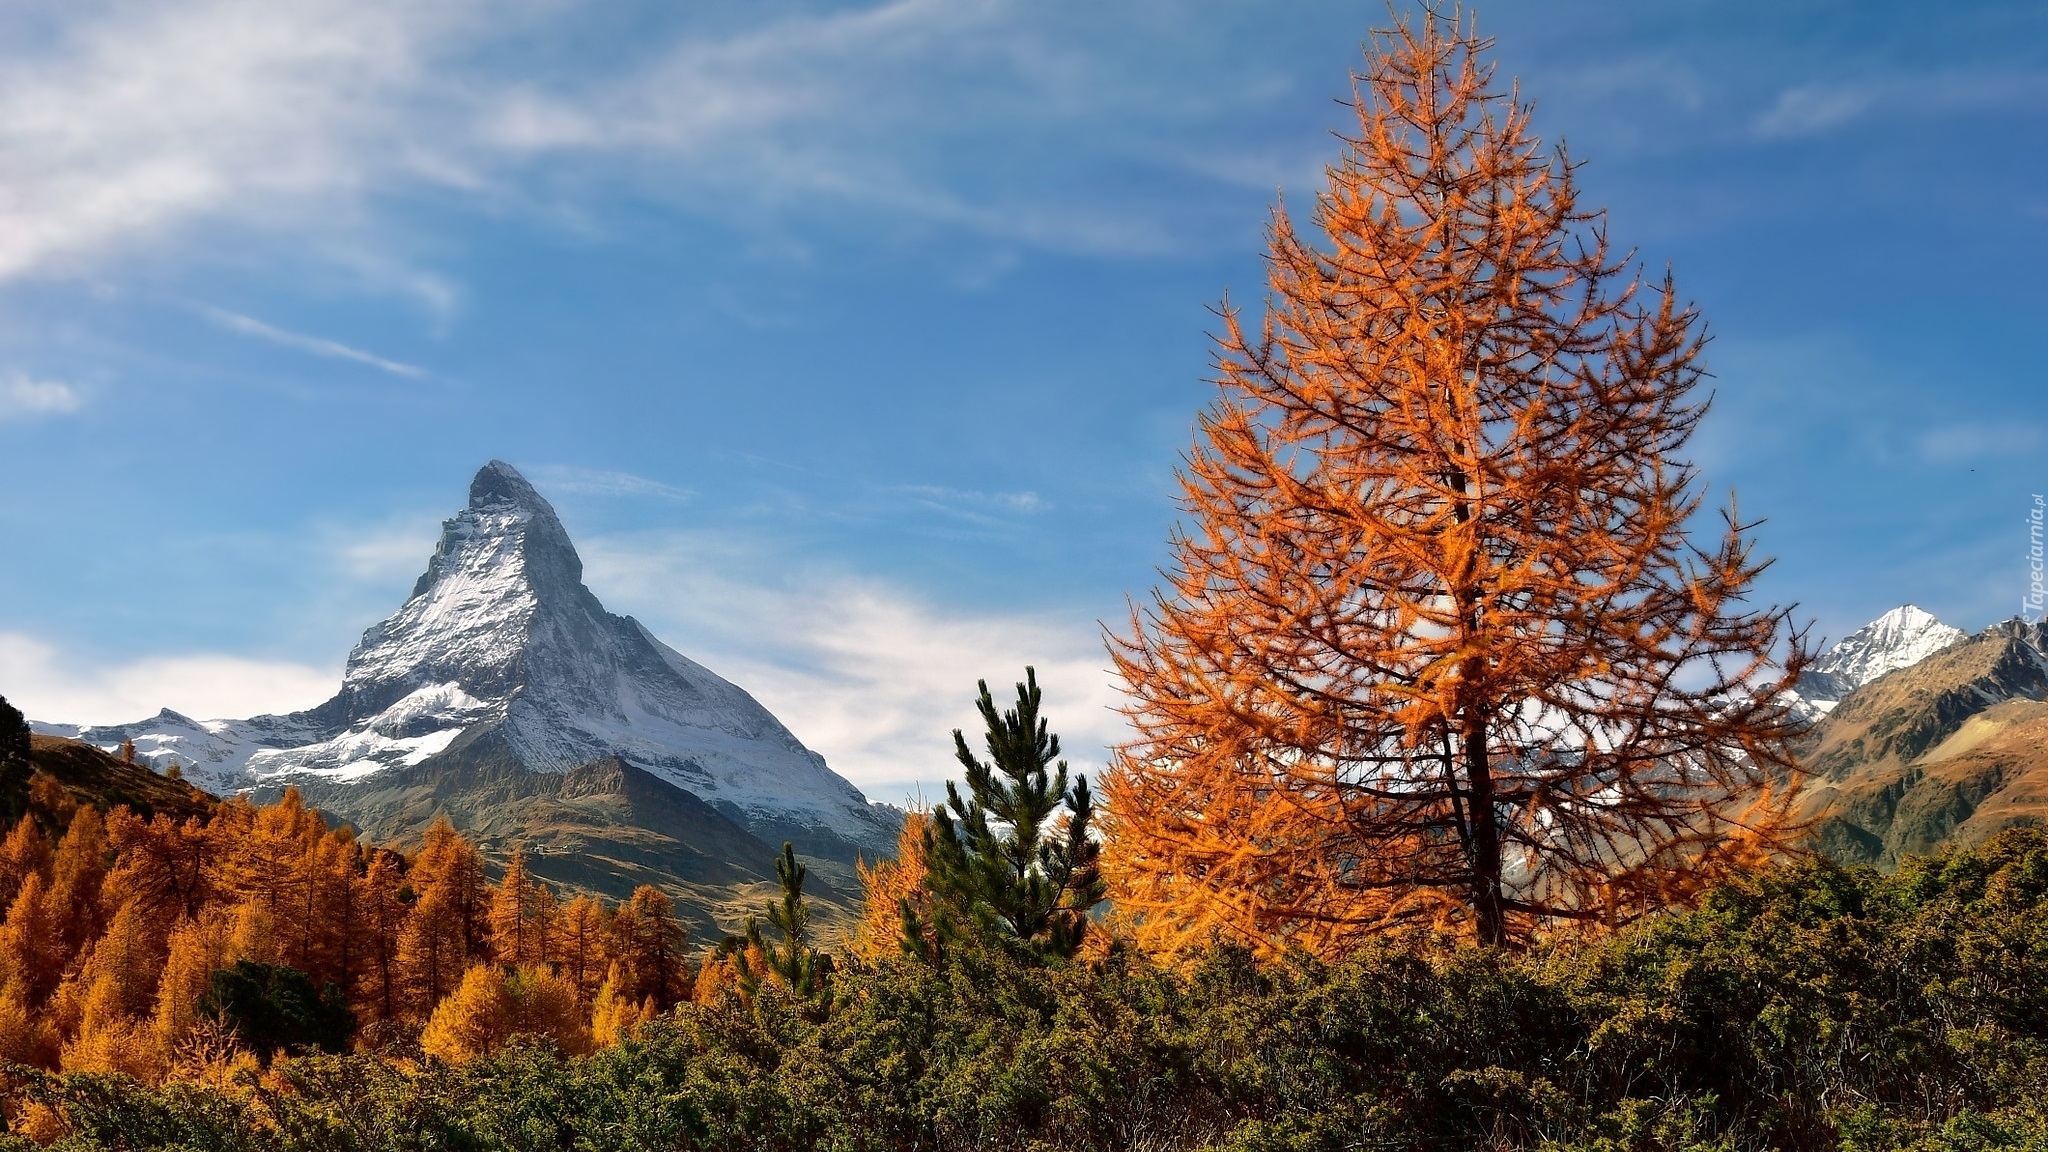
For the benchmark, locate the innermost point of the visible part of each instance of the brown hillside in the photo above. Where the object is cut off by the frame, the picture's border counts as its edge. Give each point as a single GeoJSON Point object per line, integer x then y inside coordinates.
{"type": "Point", "coordinates": [1952, 749]}
{"type": "Point", "coordinates": [70, 774]}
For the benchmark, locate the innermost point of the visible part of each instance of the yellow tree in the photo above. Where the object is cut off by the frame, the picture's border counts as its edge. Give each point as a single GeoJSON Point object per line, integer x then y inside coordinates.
{"type": "Point", "coordinates": [24, 850]}
{"type": "Point", "coordinates": [521, 915]}
{"type": "Point", "coordinates": [472, 1020]}
{"type": "Point", "coordinates": [544, 921]}
{"type": "Point", "coordinates": [445, 928]}
{"type": "Point", "coordinates": [648, 940]}
{"type": "Point", "coordinates": [76, 873]}
{"type": "Point", "coordinates": [1436, 646]}
{"type": "Point", "coordinates": [197, 949]}
{"type": "Point", "coordinates": [494, 1004]}
{"type": "Point", "coordinates": [338, 944]}
{"type": "Point", "coordinates": [380, 988]}
{"type": "Point", "coordinates": [884, 888]}
{"type": "Point", "coordinates": [119, 983]}
{"type": "Point", "coordinates": [277, 866]}
{"type": "Point", "coordinates": [579, 944]}
{"type": "Point", "coordinates": [171, 867]}
{"type": "Point", "coordinates": [614, 1014]}
{"type": "Point", "coordinates": [26, 1037]}
{"type": "Point", "coordinates": [32, 952]}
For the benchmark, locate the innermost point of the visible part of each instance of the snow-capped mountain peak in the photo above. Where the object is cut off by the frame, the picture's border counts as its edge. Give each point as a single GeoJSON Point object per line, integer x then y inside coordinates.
{"type": "Point", "coordinates": [500, 637]}
{"type": "Point", "coordinates": [1898, 639]}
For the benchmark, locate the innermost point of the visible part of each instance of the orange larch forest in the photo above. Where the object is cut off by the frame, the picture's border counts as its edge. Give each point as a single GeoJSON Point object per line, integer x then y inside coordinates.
{"type": "Point", "coordinates": [114, 935]}
{"type": "Point", "coordinates": [1435, 648]}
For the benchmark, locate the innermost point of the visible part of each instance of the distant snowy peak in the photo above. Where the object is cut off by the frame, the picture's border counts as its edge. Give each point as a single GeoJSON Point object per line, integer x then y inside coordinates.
{"type": "Point", "coordinates": [1898, 639]}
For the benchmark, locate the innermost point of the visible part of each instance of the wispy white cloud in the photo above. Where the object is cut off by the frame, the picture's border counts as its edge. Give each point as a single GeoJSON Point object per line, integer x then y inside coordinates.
{"type": "Point", "coordinates": [975, 505]}
{"type": "Point", "coordinates": [1812, 108]}
{"type": "Point", "coordinates": [132, 118]}
{"type": "Point", "coordinates": [382, 553]}
{"type": "Point", "coordinates": [333, 350]}
{"type": "Point", "coordinates": [139, 125]}
{"type": "Point", "coordinates": [598, 482]}
{"type": "Point", "coordinates": [873, 676]}
{"type": "Point", "coordinates": [1960, 443]}
{"type": "Point", "coordinates": [839, 107]}
{"type": "Point", "coordinates": [21, 396]}
{"type": "Point", "coordinates": [39, 679]}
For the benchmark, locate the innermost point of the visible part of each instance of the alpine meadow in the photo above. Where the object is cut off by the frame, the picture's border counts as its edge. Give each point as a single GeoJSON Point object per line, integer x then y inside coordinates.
{"type": "Point", "coordinates": [1469, 792]}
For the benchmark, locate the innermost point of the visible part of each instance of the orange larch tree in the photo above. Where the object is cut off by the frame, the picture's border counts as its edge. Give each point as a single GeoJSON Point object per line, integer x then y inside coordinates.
{"type": "Point", "coordinates": [521, 914]}
{"type": "Point", "coordinates": [77, 870]}
{"type": "Point", "coordinates": [173, 868]}
{"type": "Point", "coordinates": [649, 939]}
{"type": "Point", "coordinates": [337, 955]}
{"type": "Point", "coordinates": [24, 850]}
{"type": "Point", "coordinates": [32, 951]}
{"type": "Point", "coordinates": [579, 944]}
{"type": "Point", "coordinates": [196, 949]}
{"type": "Point", "coordinates": [380, 989]}
{"type": "Point", "coordinates": [110, 938]}
{"type": "Point", "coordinates": [1436, 647]}
{"type": "Point", "coordinates": [885, 886]}
{"type": "Point", "coordinates": [444, 931]}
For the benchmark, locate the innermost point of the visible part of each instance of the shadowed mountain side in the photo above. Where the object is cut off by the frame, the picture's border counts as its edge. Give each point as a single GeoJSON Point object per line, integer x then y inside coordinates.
{"type": "Point", "coordinates": [1952, 748]}
{"type": "Point", "coordinates": [85, 775]}
{"type": "Point", "coordinates": [605, 827]}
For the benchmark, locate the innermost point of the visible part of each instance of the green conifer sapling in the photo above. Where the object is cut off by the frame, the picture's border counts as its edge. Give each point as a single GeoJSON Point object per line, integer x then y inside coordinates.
{"type": "Point", "coordinates": [1001, 865]}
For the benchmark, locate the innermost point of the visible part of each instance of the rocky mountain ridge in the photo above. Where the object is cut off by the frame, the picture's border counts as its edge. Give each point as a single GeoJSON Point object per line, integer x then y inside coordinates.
{"type": "Point", "coordinates": [1950, 745]}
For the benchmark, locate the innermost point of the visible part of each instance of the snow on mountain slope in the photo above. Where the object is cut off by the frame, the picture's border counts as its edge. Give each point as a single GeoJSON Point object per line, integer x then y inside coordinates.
{"type": "Point", "coordinates": [500, 631]}
{"type": "Point", "coordinates": [1898, 639]}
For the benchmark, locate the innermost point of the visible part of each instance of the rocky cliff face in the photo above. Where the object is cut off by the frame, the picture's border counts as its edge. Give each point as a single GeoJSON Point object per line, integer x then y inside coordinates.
{"type": "Point", "coordinates": [500, 644]}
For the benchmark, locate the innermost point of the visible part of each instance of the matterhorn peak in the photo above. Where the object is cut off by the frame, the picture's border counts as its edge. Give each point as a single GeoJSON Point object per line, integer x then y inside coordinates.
{"type": "Point", "coordinates": [508, 529]}
{"type": "Point", "coordinates": [501, 646]}
{"type": "Point", "coordinates": [498, 483]}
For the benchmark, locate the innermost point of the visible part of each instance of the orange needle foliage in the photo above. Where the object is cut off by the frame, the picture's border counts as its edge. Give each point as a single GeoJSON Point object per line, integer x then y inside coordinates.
{"type": "Point", "coordinates": [110, 941]}
{"type": "Point", "coordinates": [885, 885]}
{"type": "Point", "coordinates": [1436, 648]}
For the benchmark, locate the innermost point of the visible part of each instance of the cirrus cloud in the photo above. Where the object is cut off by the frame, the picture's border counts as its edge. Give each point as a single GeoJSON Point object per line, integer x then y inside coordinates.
{"type": "Point", "coordinates": [132, 124]}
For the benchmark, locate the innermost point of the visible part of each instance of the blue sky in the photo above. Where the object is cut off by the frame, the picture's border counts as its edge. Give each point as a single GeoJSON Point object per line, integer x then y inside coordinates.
{"type": "Point", "coordinates": [857, 343]}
